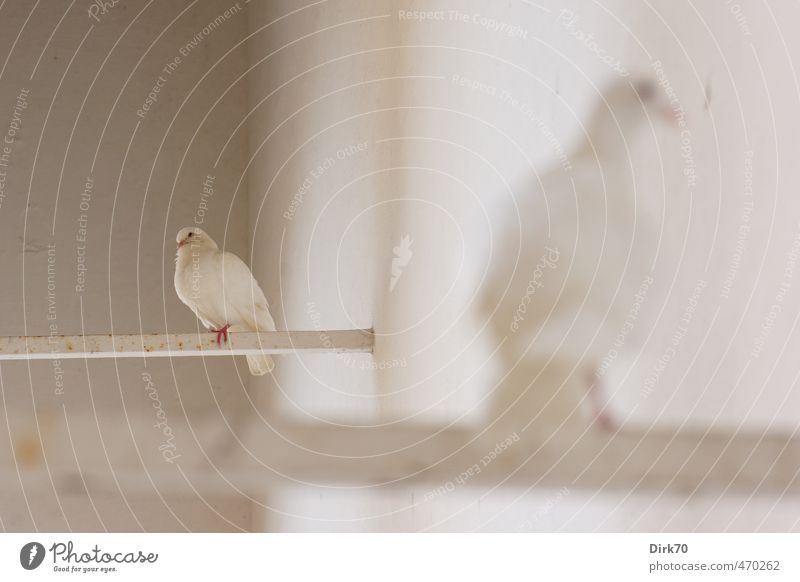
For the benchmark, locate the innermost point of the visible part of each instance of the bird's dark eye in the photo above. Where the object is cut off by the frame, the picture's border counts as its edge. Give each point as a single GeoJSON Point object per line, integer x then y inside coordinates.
{"type": "Point", "coordinates": [646, 90]}
{"type": "Point", "coordinates": [190, 234]}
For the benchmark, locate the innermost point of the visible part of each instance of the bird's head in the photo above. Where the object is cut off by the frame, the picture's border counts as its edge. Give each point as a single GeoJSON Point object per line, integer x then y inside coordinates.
{"type": "Point", "coordinates": [627, 104]}
{"type": "Point", "coordinates": [194, 236]}
{"type": "Point", "coordinates": [642, 97]}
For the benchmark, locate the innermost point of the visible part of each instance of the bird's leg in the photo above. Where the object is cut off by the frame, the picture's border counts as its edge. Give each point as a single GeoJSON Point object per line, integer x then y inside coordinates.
{"type": "Point", "coordinates": [598, 402]}
{"type": "Point", "coordinates": [222, 332]}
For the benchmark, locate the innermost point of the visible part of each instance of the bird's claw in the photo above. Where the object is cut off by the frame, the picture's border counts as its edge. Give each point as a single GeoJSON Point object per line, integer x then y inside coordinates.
{"type": "Point", "coordinates": [222, 332]}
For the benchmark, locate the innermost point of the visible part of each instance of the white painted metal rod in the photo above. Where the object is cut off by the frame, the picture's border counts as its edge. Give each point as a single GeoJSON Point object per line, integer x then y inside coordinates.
{"type": "Point", "coordinates": [61, 347]}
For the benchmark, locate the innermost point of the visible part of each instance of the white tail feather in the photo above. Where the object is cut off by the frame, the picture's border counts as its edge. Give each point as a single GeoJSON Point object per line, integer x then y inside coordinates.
{"type": "Point", "coordinates": [260, 364]}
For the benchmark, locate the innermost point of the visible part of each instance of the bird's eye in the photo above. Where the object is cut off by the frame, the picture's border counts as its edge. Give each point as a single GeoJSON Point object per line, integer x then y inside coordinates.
{"type": "Point", "coordinates": [190, 234]}
{"type": "Point", "coordinates": [646, 90]}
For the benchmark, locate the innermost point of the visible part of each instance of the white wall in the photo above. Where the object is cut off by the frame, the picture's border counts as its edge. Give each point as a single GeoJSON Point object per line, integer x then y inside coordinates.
{"type": "Point", "coordinates": [318, 198]}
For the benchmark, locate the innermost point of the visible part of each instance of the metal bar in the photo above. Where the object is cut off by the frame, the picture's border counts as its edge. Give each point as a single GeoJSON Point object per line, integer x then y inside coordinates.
{"type": "Point", "coordinates": [154, 345]}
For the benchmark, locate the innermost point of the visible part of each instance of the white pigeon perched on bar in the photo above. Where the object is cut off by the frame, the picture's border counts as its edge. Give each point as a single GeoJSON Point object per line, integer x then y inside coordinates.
{"type": "Point", "coordinates": [570, 262]}
{"type": "Point", "coordinates": [220, 289]}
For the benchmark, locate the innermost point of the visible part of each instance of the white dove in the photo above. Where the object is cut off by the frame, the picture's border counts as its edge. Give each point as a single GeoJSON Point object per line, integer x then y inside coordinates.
{"type": "Point", "coordinates": [568, 271]}
{"type": "Point", "coordinates": [220, 289]}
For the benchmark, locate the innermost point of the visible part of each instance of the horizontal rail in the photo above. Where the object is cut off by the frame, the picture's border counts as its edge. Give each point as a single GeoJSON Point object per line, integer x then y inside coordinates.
{"type": "Point", "coordinates": [410, 454]}
{"type": "Point", "coordinates": [60, 347]}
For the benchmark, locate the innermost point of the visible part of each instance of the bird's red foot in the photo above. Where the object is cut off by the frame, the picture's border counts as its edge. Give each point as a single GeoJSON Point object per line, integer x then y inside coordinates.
{"type": "Point", "coordinates": [222, 332]}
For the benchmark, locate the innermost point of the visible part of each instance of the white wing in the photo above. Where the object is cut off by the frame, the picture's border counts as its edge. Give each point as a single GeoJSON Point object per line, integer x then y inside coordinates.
{"type": "Point", "coordinates": [245, 303]}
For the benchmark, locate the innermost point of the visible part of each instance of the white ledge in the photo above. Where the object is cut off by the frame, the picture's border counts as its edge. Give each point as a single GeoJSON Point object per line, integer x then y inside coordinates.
{"type": "Point", "coordinates": [61, 347]}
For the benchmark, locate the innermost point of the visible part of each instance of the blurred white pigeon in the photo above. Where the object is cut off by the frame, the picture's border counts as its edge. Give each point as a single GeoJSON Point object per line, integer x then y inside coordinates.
{"type": "Point", "coordinates": [568, 266]}
{"type": "Point", "coordinates": [221, 291]}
